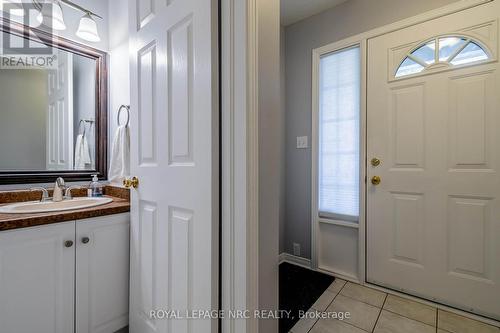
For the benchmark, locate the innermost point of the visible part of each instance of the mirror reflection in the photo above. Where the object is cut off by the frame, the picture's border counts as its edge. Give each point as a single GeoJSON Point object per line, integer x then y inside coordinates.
{"type": "Point", "coordinates": [48, 112]}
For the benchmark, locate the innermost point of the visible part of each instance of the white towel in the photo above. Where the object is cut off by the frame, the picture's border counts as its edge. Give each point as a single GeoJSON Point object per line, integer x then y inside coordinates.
{"type": "Point", "coordinates": [82, 153]}
{"type": "Point", "coordinates": [119, 166]}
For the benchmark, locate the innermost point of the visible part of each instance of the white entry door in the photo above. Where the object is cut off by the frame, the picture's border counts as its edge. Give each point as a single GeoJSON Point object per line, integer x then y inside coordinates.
{"type": "Point", "coordinates": [174, 153]}
{"type": "Point", "coordinates": [433, 222]}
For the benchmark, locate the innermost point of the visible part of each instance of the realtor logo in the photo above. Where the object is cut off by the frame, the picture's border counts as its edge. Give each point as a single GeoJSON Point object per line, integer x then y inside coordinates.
{"type": "Point", "coordinates": [22, 46]}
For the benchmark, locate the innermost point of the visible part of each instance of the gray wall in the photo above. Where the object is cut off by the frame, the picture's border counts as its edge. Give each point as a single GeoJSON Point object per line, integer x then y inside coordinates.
{"type": "Point", "coordinates": [347, 19]}
{"type": "Point", "coordinates": [22, 119]}
{"type": "Point", "coordinates": [270, 128]}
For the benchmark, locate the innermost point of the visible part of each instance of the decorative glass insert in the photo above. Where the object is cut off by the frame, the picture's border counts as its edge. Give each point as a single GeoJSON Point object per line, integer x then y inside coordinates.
{"type": "Point", "coordinates": [449, 50]}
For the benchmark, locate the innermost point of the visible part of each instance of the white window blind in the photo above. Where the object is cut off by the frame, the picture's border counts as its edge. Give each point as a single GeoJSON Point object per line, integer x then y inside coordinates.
{"type": "Point", "coordinates": [339, 93]}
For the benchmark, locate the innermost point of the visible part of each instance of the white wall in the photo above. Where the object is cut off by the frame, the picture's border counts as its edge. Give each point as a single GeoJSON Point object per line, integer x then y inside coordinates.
{"type": "Point", "coordinates": [119, 71]}
{"type": "Point", "coordinates": [347, 19]}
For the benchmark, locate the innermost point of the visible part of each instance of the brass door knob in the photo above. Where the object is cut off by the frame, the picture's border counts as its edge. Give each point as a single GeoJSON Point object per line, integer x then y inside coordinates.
{"type": "Point", "coordinates": [376, 180]}
{"type": "Point", "coordinates": [68, 243]}
{"type": "Point", "coordinates": [375, 162]}
{"type": "Point", "coordinates": [131, 182]}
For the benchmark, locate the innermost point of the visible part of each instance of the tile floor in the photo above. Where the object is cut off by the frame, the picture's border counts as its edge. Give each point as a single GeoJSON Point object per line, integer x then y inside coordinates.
{"type": "Point", "coordinates": [375, 311]}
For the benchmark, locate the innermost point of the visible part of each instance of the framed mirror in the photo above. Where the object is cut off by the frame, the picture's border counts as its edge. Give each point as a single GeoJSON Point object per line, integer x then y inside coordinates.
{"type": "Point", "coordinates": [53, 107]}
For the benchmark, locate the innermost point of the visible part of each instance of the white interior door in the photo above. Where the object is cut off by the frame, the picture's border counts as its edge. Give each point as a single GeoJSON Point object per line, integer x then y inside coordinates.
{"type": "Point", "coordinates": [433, 222]}
{"type": "Point", "coordinates": [174, 153]}
{"type": "Point", "coordinates": [60, 114]}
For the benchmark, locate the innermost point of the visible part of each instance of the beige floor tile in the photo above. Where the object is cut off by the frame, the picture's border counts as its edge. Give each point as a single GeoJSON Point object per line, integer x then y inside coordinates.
{"type": "Point", "coordinates": [413, 310]}
{"type": "Point", "coordinates": [364, 294]}
{"type": "Point", "coordinates": [323, 301]}
{"type": "Point", "coordinates": [304, 325]}
{"type": "Point", "coordinates": [337, 285]}
{"type": "Point", "coordinates": [334, 326]}
{"type": "Point", "coordinates": [362, 315]}
{"type": "Point", "coordinates": [389, 322]}
{"type": "Point", "coordinates": [458, 324]}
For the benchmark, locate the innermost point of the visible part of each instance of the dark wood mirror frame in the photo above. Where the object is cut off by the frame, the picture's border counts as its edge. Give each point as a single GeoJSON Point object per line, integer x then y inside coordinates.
{"type": "Point", "coordinates": [101, 144]}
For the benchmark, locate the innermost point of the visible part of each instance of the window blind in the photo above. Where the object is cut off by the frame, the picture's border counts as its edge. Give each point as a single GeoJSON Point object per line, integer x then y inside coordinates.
{"type": "Point", "coordinates": [339, 115]}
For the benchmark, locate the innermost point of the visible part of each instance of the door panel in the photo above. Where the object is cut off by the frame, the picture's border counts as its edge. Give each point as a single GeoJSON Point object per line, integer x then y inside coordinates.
{"type": "Point", "coordinates": [431, 223]}
{"type": "Point", "coordinates": [174, 153]}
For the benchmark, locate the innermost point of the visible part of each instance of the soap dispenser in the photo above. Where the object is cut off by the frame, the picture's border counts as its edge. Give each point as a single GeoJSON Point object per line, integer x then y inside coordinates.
{"type": "Point", "coordinates": [95, 188]}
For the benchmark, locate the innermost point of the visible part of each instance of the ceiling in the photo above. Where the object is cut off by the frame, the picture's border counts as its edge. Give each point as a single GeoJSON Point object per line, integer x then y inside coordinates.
{"type": "Point", "coordinates": [295, 10]}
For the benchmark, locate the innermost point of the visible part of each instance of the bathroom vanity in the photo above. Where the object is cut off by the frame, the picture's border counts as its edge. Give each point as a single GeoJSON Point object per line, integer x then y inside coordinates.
{"type": "Point", "coordinates": [66, 271]}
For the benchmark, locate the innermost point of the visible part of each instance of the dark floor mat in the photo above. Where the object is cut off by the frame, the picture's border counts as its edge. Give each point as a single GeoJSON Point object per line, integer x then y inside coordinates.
{"type": "Point", "coordinates": [299, 289]}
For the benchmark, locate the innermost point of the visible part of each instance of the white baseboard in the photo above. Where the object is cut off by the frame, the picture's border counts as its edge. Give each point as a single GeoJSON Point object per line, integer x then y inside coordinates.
{"type": "Point", "coordinates": [294, 260]}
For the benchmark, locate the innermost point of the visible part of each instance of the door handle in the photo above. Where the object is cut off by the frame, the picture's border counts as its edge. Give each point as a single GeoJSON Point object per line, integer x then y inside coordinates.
{"type": "Point", "coordinates": [131, 182]}
{"type": "Point", "coordinates": [376, 180]}
{"type": "Point", "coordinates": [68, 243]}
{"type": "Point", "coordinates": [85, 240]}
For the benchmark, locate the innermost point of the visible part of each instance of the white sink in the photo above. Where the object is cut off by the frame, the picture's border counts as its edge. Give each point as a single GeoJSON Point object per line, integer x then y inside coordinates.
{"type": "Point", "coordinates": [51, 206]}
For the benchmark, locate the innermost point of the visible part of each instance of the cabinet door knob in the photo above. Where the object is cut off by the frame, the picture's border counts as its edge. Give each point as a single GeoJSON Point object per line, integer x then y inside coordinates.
{"type": "Point", "coordinates": [68, 243]}
{"type": "Point", "coordinates": [85, 240]}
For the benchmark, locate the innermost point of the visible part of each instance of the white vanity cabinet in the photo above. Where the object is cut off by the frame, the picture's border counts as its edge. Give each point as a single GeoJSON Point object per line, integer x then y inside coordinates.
{"type": "Point", "coordinates": [65, 276]}
{"type": "Point", "coordinates": [102, 274]}
{"type": "Point", "coordinates": [37, 279]}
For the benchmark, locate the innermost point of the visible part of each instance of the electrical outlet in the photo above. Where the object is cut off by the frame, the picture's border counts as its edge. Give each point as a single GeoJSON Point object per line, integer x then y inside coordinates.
{"type": "Point", "coordinates": [296, 249]}
{"type": "Point", "coordinates": [302, 142]}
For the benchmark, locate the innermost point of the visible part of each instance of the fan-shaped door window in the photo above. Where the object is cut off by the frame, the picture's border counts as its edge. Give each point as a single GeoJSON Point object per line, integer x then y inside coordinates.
{"type": "Point", "coordinates": [448, 51]}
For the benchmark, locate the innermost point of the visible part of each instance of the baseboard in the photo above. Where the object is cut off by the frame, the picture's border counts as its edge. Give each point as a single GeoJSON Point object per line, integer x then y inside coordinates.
{"type": "Point", "coordinates": [294, 260]}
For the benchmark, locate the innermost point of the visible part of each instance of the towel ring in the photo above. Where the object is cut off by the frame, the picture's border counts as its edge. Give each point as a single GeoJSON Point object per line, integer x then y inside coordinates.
{"type": "Point", "coordinates": [127, 108]}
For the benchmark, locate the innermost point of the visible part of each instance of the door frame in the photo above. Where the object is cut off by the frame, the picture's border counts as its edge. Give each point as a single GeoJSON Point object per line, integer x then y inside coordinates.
{"type": "Point", "coordinates": [362, 40]}
{"type": "Point", "coordinates": [240, 163]}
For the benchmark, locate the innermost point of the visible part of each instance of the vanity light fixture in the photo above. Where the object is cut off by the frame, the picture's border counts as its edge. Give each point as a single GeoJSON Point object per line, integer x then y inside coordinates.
{"type": "Point", "coordinates": [51, 14]}
{"type": "Point", "coordinates": [88, 29]}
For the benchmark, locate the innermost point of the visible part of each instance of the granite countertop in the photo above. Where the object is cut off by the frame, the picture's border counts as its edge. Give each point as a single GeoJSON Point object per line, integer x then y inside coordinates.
{"type": "Point", "coordinates": [120, 204]}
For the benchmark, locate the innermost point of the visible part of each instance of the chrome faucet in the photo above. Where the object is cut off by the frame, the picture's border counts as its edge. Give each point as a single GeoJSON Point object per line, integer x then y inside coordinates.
{"type": "Point", "coordinates": [45, 193]}
{"type": "Point", "coordinates": [59, 187]}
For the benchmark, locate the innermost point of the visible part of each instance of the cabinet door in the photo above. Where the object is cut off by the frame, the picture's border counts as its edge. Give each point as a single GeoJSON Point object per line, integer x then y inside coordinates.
{"type": "Point", "coordinates": [102, 274]}
{"type": "Point", "coordinates": [37, 274]}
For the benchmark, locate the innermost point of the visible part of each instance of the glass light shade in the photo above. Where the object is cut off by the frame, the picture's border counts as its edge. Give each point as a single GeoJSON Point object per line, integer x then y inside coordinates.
{"type": "Point", "coordinates": [52, 15]}
{"type": "Point", "coordinates": [88, 29]}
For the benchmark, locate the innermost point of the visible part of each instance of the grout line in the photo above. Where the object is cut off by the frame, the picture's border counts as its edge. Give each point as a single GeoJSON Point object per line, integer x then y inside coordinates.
{"type": "Point", "coordinates": [375, 306]}
{"type": "Point", "coordinates": [418, 321]}
{"type": "Point", "coordinates": [437, 319]}
{"type": "Point", "coordinates": [380, 313]}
